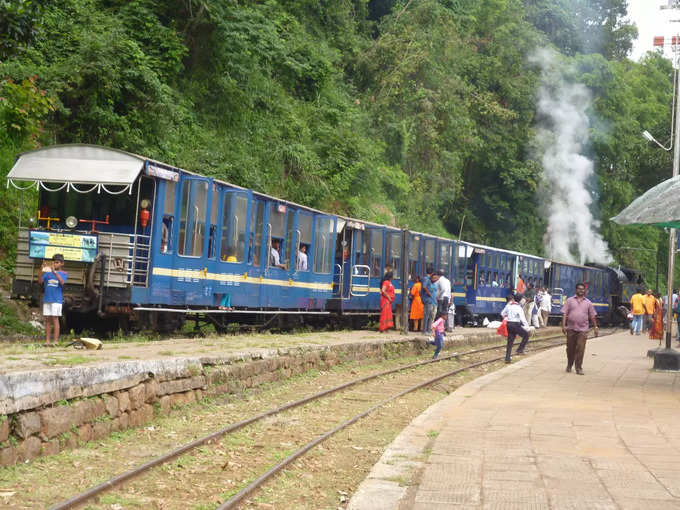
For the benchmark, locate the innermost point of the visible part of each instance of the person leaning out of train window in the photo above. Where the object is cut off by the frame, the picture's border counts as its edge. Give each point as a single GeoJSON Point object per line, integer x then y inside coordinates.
{"type": "Point", "coordinates": [275, 258]}
{"type": "Point", "coordinates": [637, 304]}
{"type": "Point", "coordinates": [301, 264]}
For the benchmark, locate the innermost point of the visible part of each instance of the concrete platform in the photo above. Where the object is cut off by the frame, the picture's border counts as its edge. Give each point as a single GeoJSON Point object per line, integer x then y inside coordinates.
{"type": "Point", "coordinates": [532, 436]}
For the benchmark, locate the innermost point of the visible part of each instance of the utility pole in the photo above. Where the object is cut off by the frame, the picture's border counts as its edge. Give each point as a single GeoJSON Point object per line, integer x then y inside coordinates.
{"type": "Point", "coordinates": [668, 358]}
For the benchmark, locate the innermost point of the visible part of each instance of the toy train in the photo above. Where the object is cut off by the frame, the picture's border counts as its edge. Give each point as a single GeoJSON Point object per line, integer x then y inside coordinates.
{"type": "Point", "coordinates": [146, 244]}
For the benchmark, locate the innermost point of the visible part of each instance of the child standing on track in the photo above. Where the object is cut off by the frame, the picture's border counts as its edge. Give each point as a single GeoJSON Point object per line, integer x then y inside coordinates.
{"type": "Point", "coordinates": [53, 281]}
{"type": "Point", "coordinates": [438, 328]}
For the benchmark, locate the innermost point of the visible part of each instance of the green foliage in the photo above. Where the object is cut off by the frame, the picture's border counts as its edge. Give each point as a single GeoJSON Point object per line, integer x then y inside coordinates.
{"type": "Point", "coordinates": [415, 114]}
{"type": "Point", "coordinates": [18, 25]}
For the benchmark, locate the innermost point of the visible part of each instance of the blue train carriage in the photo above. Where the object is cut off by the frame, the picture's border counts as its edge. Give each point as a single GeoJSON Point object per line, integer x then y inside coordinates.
{"type": "Point", "coordinates": [168, 241]}
{"type": "Point", "coordinates": [489, 275]}
{"type": "Point", "coordinates": [366, 251]}
{"type": "Point", "coordinates": [563, 277]}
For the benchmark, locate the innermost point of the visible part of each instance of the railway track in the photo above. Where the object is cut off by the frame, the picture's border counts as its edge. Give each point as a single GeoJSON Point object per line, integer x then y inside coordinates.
{"type": "Point", "coordinates": [359, 398]}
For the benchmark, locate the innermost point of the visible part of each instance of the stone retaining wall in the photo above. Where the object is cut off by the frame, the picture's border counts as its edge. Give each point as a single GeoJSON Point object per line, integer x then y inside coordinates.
{"type": "Point", "coordinates": [49, 411]}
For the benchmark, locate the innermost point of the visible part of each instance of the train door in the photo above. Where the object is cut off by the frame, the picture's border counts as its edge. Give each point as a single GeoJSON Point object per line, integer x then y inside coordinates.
{"type": "Point", "coordinates": [461, 253]}
{"type": "Point", "coordinates": [393, 263]}
{"type": "Point", "coordinates": [230, 248]}
{"type": "Point", "coordinates": [277, 263]}
{"type": "Point", "coordinates": [257, 255]}
{"type": "Point", "coordinates": [192, 243]}
{"type": "Point", "coordinates": [323, 256]}
{"type": "Point", "coordinates": [475, 262]}
{"type": "Point", "coordinates": [415, 266]}
{"type": "Point", "coordinates": [359, 282]}
{"type": "Point", "coordinates": [376, 238]}
{"type": "Point", "coordinates": [164, 243]}
{"type": "Point", "coordinates": [303, 248]}
{"type": "Point", "coordinates": [343, 261]}
{"type": "Point", "coordinates": [558, 294]}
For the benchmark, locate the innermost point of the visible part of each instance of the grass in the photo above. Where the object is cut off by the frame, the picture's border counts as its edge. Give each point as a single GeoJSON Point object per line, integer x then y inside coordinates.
{"type": "Point", "coordinates": [75, 359]}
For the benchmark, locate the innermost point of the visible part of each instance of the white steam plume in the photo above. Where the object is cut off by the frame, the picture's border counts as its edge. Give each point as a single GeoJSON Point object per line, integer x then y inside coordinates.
{"type": "Point", "coordinates": [573, 233]}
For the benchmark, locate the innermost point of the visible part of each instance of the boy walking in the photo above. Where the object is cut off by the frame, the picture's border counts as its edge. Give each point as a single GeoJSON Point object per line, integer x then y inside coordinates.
{"type": "Point", "coordinates": [53, 281]}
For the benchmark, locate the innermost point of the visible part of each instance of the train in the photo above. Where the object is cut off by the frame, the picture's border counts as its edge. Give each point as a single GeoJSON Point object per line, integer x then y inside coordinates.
{"type": "Point", "coordinates": [148, 245]}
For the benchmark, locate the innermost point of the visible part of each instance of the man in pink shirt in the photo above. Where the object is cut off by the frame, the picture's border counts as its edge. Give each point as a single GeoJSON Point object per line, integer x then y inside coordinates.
{"type": "Point", "coordinates": [576, 314]}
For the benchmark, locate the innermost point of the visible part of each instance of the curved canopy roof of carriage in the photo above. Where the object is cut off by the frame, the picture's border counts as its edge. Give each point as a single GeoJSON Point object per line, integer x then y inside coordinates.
{"type": "Point", "coordinates": [78, 164]}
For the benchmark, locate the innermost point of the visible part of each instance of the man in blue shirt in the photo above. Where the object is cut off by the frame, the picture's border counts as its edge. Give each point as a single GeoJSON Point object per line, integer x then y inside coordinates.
{"type": "Point", "coordinates": [53, 280]}
{"type": "Point", "coordinates": [428, 295]}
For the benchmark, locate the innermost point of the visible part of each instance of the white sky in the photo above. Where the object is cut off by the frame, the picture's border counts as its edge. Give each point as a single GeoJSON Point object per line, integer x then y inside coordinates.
{"type": "Point", "coordinates": [652, 21]}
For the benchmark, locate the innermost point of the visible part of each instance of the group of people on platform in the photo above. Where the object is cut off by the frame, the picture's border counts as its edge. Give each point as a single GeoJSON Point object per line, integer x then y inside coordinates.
{"type": "Point", "coordinates": [432, 309]}
{"type": "Point", "coordinates": [648, 311]}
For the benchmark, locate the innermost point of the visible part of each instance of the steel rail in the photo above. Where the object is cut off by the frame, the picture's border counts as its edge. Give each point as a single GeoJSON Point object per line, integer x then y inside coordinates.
{"type": "Point", "coordinates": [255, 484]}
{"type": "Point", "coordinates": [168, 456]}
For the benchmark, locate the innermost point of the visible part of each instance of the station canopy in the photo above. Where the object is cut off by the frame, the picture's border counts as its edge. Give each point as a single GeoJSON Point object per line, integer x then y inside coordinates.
{"type": "Point", "coordinates": [659, 206]}
{"type": "Point", "coordinates": [82, 168]}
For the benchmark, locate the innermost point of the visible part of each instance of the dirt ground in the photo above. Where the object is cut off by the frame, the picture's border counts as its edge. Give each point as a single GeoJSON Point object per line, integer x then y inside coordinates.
{"type": "Point", "coordinates": [22, 356]}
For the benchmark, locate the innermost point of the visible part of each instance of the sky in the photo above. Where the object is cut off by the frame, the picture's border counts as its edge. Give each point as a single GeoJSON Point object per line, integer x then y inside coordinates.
{"type": "Point", "coordinates": [652, 21]}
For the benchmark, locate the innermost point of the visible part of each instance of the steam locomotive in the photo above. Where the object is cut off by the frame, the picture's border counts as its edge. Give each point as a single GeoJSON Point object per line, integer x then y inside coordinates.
{"type": "Point", "coordinates": [147, 244]}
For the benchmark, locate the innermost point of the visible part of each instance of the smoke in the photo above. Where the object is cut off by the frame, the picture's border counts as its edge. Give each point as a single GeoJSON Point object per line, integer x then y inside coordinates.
{"type": "Point", "coordinates": [573, 233]}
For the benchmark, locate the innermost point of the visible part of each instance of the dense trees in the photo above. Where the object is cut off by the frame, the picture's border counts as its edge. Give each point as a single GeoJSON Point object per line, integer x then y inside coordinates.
{"type": "Point", "coordinates": [417, 113]}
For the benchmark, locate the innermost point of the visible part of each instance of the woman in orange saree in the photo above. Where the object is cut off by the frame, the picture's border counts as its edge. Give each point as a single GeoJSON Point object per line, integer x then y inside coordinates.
{"type": "Point", "coordinates": [417, 308]}
{"type": "Point", "coordinates": [656, 329]}
{"type": "Point", "coordinates": [386, 299]}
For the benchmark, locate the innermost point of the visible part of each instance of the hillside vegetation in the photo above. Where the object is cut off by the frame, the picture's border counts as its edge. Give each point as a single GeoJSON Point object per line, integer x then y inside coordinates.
{"type": "Point", "coordinates": [415, 113]}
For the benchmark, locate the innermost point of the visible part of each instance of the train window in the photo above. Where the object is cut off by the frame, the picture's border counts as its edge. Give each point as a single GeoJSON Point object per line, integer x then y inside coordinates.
{"type": "Point", "coordinates": [212, 235]}
{"type": "Point", "coordinates": [445, 258]}
{"type": "Point", "coordinates": [361, 248]}
{"type": "Point", "coordinates": [290, 226]}
{"type": "Point", "coordinates": [168, 216]}
{"type": "Point", "coordinates": [508, 281]}
{"type": "Point", "coordinates": [376, 252]}
{"type": "Point", "coordinates": [481, 282]}
{"type": "Point", "coordinates": [494, 282]}
{"type": "Point", "coordinates": [413, 256]}
{"type": "Point", "coordinates": [429, 254]}
{"type": "Point", "coordinates": [323, 245]}
{"type": "Point", "coordinates": [233, 227]}
{"type": "Point", "coordinates": [460, 261]}
{"type": "Point", "coordinates": [394, 253]}
{"type": "Point", "coordinates": [469, 277]}
{"type": "Point", "coordinates": [192, 218]}
{"type": "Point", "coordinates": [488, 279]}
{"type": "Point", "coordinates": [277, 220]}
{"type": "Point", "coordinates": [256, 228]}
